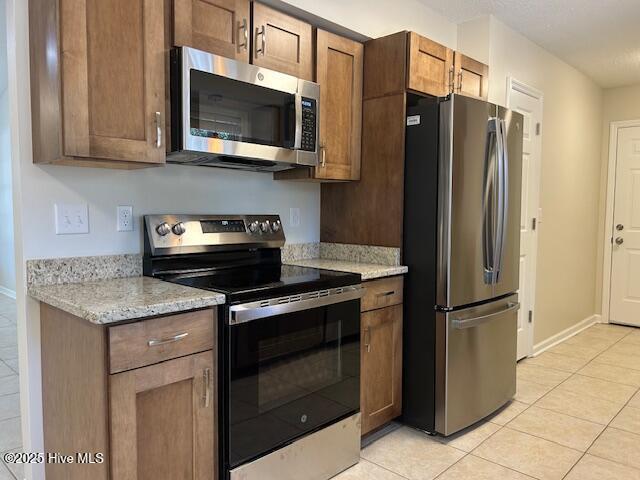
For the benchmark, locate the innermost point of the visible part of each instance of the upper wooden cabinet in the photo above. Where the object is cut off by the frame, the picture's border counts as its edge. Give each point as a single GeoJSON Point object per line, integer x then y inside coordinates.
{"type": "Point", "coordinates": [281, 42]}
{"type": "Point", "coordinates": [102, 100]}
{"type": "Point", "coordinates": [471, 77]}
{"type": "Point", "coordinates": [217, 26]}
{"type": "Point", "coordinates": [430, 68]}
{"type": "Point", "coordinates": [339, 65]}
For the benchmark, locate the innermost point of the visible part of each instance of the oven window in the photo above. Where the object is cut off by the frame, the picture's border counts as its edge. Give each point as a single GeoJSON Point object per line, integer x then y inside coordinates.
{"type": "Point", "coordinates": [232, 110]}
{"type": "Point", "coordinates": [291, 374]}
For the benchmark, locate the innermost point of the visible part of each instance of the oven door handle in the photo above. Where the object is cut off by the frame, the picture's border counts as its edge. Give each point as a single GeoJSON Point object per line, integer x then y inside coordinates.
{"type": "Point", "coordinates": [247, 312]}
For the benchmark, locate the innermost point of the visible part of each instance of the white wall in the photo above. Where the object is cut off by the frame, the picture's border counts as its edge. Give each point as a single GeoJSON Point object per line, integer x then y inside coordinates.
{"type": "Point", "coordinates": [7, 261]}
{"type": "Point", "coordinates": [377, 18]}
{"type": "Point", "coordinates": [619, 104]}
{"type": "Point", "coordinates": [571, 166]}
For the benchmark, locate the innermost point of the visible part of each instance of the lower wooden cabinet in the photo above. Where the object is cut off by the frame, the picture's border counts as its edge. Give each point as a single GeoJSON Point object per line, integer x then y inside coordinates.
{"type": "Point", "coordinates": [154, 419]}
{"type": "Point", "coordinates": [381, 366]}
{"type": "Point", "coordinates": [169, 404]}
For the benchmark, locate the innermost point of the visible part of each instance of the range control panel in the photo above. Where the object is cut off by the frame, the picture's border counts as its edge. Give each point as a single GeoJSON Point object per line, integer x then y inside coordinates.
{"type": "Point", "coordinates": [174, 234]}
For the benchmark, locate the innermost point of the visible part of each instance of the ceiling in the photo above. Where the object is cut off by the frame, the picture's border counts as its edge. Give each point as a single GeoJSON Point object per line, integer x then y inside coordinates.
{"type": "Point", "coordinates": [599, 37]}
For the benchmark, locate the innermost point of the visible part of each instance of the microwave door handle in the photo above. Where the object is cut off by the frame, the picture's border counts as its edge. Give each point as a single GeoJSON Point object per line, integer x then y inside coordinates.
{"type": "Point", "coordinates": [297, 139]}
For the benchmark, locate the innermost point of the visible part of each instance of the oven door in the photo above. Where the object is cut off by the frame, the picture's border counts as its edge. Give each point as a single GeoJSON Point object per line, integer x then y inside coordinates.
{"type": "Point", "coordinates": [292, 369]}
{"type": "Point", "coordinates": [225, 109]}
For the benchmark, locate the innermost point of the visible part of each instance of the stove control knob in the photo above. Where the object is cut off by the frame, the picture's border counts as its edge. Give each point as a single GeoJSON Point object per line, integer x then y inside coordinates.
{"type": "Point", "coordinates": [163, 229]}
{"type": "Point", "coordinates": [253, 227]}
{"type": "Point", "coordinates": [179, 228]}
{"type": "Point", "coordinates": [276, 226]}
{"type": "Point", "coordinates": [265, 226]}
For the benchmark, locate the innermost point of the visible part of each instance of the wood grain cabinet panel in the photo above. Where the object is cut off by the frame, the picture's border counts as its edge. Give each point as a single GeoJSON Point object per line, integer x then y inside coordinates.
{"type": "Point", "coordinates": [381, 367]}
{"type": "Point", "coordinates": [339, 65]}
{"type": "Point", "coordinates": [339, 69]}
{"type": "Point", "coordinates": [430, 66]}
{"type": "Point", "coordinates": [281, 42]}
{"type": "Point", "coordinates": [167, 405]}
{"type": "Point", "coordinates": [155, 340]}
{"type": "Point", "coordinates": [382, 293]}
{"type": "Point", "coordinates": [217, 26]}
{"type": "Point", "coordinates": [113, 79]}
{"type": "Point", "coordinates": [472, 77]}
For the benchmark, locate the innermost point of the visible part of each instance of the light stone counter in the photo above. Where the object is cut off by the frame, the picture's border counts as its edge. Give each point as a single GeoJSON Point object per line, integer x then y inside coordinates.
{"type": "Point", "coordinates": [119, 299]}
{"type": "Point", "coordinates": [368, 271]}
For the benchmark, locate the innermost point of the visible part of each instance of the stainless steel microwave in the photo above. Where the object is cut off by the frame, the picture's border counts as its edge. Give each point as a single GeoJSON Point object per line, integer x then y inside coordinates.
{"type": "Point", "coordinates": [226, 113]}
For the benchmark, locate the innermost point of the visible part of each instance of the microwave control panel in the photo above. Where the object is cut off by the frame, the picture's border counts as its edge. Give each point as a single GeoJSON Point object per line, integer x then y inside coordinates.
{"type": "Point", "coordinates": [308, 124]}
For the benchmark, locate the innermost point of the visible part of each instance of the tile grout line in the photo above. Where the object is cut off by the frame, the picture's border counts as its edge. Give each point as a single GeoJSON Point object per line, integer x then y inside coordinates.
{"type": "Point", "coordinates": [608, 424]}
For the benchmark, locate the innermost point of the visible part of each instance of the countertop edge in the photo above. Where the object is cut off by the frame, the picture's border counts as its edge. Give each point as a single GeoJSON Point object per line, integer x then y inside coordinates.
{"type": "Point", "coordinates": [367, 271]}
{"type": "Point", "coordinates": [125, 313]}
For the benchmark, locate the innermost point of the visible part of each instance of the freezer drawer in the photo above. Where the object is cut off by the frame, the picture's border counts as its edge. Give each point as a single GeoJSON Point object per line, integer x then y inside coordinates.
{"type": "Point", "coordinates": [475, 362]}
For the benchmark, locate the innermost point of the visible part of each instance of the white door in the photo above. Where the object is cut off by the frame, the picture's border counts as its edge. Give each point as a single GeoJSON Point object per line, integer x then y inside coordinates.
{"type": "Point", "coordinates": [625, 256]}
{"type": "Point", "coordinates": [528, 102]}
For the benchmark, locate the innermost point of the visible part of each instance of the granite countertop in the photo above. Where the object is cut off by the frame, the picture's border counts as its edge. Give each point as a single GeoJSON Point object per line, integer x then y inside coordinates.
{"type": "Point", "coordinates": [368, 271]}
{"type": "Point", "coordinates": [109, 301]}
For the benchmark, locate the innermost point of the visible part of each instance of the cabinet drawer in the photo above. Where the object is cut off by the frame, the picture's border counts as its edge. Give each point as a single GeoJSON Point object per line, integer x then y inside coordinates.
{"type": "Point", "coordinates": [151, 341]}
{"type": "Point", "coordinates": [381, 293]}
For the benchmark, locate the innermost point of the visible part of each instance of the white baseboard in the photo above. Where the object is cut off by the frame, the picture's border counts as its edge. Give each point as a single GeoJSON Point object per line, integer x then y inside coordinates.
{"type": "Point", "coordinates": [7, 292]}
{"type": "Point", "coordinates": [538, 348]}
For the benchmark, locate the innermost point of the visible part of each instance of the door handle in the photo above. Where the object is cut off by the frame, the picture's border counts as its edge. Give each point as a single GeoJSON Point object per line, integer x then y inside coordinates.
{"type": "Point", "coordinates": [206, 382]}
{"type": "Point", "coordinates": [164, 341]}
{"type": "Point", "coordinates": [158, 129]}
{"type": "Point", "coordinates": [367, 339]}
{"type": "Point", "coordinates": [460, 81]}
{"type": "Point", "coordinates": [619, 227]}
{"type": "Point", "coordinates": [452, 86]}
{"type": "Point", "coordinates": [263, 34]}
{"type": "Point", "coordinates": [460, 324]}
{"type": "Point", "coordinates": [619, 241]}
{"type": "Point", "coordinates": [245, 29]}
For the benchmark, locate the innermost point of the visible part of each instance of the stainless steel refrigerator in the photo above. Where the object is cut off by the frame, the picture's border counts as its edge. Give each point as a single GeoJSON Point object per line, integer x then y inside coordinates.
{"type": "Point", "coordinates": [461, 243]}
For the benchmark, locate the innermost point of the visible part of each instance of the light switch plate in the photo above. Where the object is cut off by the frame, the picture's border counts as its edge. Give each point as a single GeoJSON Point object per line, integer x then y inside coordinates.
{"type": "Point", "coordinates": [125, 218]}
{"type": "Point", "coordinates": [71, 218]}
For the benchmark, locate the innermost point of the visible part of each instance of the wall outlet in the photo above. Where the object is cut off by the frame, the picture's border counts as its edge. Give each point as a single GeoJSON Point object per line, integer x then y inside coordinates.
{"type": "Point", "coordinates": [125, 218]}
{"type": "Point", "coordinates": [294, 217]}
{"type": "Point", "coordinates": [71, 218]}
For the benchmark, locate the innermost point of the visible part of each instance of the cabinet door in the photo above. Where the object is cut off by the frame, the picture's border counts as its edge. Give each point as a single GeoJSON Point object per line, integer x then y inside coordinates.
{"type": "Point", "coordinates": [430, 66]}
{"type": "Point", "coordinates": [339, 63]}
{"type": "Point", "coordinates": [216, 26]}
{"type": "Point", "coordinates": [170, 404]}
{"type": "Point", "coordinates": [472, 77]}
{"type": "Point", "coordinates": [381, 367]}
{"type": "Point", "coordinates": [113, 79]}
{"type": "Point", "coordinates": [281, 42]}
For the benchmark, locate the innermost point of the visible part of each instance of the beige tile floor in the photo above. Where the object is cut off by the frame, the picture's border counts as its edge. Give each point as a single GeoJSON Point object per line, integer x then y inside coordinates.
{"type": "Point", "coordinates": [10, 436]}
{"type": "Point", "coordinates": [576, 415]}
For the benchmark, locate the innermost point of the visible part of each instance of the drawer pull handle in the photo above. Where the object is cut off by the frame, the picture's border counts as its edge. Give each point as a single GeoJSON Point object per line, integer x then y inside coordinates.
{"type": "Point", "coordinates": [164, 341]}
{"type": "Point", "coordinates": [385, 294]}
{"type": "Point", "coordinates": [367, 339]}
{"type": "Point", "coordinates": [206, 380]}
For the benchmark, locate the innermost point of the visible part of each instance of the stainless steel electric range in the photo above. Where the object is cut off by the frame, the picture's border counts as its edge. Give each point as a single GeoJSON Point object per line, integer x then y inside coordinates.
{"type": "Point", "coordinates": [289, 353]}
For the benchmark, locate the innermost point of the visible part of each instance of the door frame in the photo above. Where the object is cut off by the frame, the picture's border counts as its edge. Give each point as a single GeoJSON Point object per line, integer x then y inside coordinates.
{"type": "Point", "coordinates": [519, 86]}
{"type": "Point", "coordinates": [614, 129]}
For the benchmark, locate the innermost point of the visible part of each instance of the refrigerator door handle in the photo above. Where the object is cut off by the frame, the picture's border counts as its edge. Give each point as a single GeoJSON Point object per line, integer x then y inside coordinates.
{"type": "Point", "coordinates": [503, 196]}
{"type": "Point", "coordinates": [460, 324]}
{"type": "Point", "coordinates": [491, 204]}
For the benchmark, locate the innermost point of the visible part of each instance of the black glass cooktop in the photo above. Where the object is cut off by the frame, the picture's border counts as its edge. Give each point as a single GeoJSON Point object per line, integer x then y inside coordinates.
{"type": "Point", "coordinates": [266, 281]}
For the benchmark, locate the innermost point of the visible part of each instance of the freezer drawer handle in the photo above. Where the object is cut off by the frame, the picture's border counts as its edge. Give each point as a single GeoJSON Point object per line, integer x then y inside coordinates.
{"type": "Point", "coordinates": [475, 321]}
